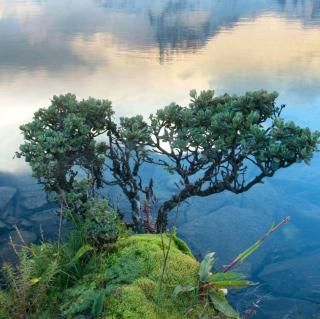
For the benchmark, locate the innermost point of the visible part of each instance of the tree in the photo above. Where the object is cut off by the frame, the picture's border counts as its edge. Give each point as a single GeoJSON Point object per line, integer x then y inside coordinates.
{"type": "Point", "coordinates": [127, 152]}
{"type": "Point", "coordinates": [225, 143]}
{"type": "Point", "coordinates": [61, 147]}
{"type": "Point", "coordinates": [215, 144]}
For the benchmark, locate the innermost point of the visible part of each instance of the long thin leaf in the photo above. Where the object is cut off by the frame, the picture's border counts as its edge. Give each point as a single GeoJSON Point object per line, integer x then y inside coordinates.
{"type": "Point", "coordinates": [180, 289]}
{"type": "Point", "coordinates": [81, 252]}
{"type": "Point", "coordinates": [35, 280]}
{"type": "Point", "coordinates": [98, 304]}
{"type": "Point", "coordinates": [222, 276]}
{"type": "Point", "coordinates": [235, 284]}
{"type": "Point", "coordinates": [221, 304]}
{"type": "Point", "coordinates": [249, 251]}
{"type": "Point", "coordinates": [206, 266]}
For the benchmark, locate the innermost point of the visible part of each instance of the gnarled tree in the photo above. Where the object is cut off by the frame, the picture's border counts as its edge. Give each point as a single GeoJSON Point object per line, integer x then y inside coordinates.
{"type": "Point", "coordinates": [225, 143]}
{"type": "Point", "coordinates": [61, 147]}
{"type": "Point", "coordinates": [215, 144]}
{"type": "Point", "coordinates": [127, 152]}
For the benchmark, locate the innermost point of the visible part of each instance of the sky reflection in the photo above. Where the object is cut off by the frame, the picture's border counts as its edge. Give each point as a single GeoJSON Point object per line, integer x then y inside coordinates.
{"type": "Point", "coordinates": [145, 54]}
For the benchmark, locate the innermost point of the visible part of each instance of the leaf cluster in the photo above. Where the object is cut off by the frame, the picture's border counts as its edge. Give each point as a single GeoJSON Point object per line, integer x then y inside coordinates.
{"type": "Point", "coordinates": [47, 281]}
{"type": "Point", "coordinates": [101, 225]}
{"type": "Point", "coordinates": [212, 288]}
{"type": "Point", "coordinates": [217, 138]}
{"type": "Point", "coordinates": [61, 140]}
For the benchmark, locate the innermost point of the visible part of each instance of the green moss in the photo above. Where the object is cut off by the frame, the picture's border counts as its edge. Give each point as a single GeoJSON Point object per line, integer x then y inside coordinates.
{"type": "Point", "coordinates": [182, 245]}
{"type": "Point", "coordinates": [144, 255]}
{"type": "Point", "coordinates": [138, 262]}
{"type": "Point", "coordinates": [121, 281]}
{"type": "Point", "coordinates": [146, 285]}
{"type": "Point", "coordinates": [131, 303]}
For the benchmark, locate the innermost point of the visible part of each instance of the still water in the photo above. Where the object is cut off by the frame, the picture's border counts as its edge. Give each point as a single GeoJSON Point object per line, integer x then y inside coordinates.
{"type": "Point", "coordinates": [142, 55]}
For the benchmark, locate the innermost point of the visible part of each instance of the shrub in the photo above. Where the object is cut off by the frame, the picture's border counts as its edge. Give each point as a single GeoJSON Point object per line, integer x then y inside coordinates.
{"type": "Point", "coordinates": [101, 225]}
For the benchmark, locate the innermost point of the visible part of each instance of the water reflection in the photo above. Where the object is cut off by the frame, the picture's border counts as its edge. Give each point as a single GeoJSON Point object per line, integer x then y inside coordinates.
{"type": "Point", "coordinates": [143, 54]}
{"type": "Point", "coordinates": [100, 48]}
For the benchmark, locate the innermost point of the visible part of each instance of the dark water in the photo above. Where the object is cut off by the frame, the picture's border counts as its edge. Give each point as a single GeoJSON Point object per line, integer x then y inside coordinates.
{"type": "Point", "coordinates": [142, 55]}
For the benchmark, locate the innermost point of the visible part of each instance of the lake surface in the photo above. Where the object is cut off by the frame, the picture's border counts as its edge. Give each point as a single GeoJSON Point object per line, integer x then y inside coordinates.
{"type": "Point", "coordinates": [144, 54]}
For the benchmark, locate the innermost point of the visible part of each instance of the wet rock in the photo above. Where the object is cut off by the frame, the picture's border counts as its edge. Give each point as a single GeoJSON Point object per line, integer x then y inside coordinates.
{"type": "Point", "coordinates": [7, 252]}
{"type": "Point", "coordinates": [253, 199]}
{"type": "Point", "coordinates": [7, 195]}
{"type": "Point", "coordinates": [284, 277]}
{"type": "Point", "coordinates": [32, 196]}
{"type": "Point", "coordinates": [44, 217]}
{"type": "Point", "coordinates": [13, 220]}
{"type": "Point", "coordinates": [3, 226]}
{"type": "Point", "coordinates": [278, 307]}
{"type": "Point", "coordinates": [25, 223]}
{"type": "Point", "coordinates": [228, 231]}
{"type": "Point", "coordinates": [47, 221]}
{"type": "Point", "coordinates": [259, 304]}
{"type": "Point", "coordinates": [23, 237]}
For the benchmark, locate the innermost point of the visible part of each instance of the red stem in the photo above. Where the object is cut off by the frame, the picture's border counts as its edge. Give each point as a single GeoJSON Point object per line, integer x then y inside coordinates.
{"type": "Point", "coordinates": [261, 240]}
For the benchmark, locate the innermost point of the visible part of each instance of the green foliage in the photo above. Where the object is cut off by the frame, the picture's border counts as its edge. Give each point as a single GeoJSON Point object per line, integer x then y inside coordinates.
{"type": "Point", "coordinates": [101, 225]}
{"type": "Point", "coordinates": [83, 299]}
{"type": "Point", "coordinates": [26, 291]}
{"type": "Point", "coordinates": [213, 287]}
{"type": "Point", "coordinates": [3, 305]}
{"type": "Point", "coordinates": [206, 266]}
{"type": "Point", "coordinates": [97, 221]}
{"type": "Point", "coordinates": [179, 289]}
{"type": "Point", "coordinates": [81, 252]}
{"type": "Point", "coordinates": [220, 303]}
{"type": "Point", "coordinates": [181, 245]}
{"type": "Point", "coordinates": [214, 142]}
{"type": "Point", "coordinates": [61, 140]}
{"type": "Point", "coordinates": [46, 272]}
{"type": "Point", "coordinates": [210, 144]}
{"type": "Point", "coordinates": [134, 272]}
{"type": "Point", "coordinates": [61, 146]}
{"type": "Point", "coordinates": [118, 281]}
{"type": "Point", "coordinates": [133, 130]}
{"type": "Point", "coordinates": [228, 280]}
{"type": "Point", "coordinates": [133, 304]}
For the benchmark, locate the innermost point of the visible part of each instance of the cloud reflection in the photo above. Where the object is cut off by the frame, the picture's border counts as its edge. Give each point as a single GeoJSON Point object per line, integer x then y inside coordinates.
{"type": "Point", "coordinates": [145, 54]}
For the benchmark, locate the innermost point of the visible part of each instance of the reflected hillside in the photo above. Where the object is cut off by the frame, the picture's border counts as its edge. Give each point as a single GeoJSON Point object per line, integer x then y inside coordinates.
{"type": "Point", "coordinates": [308, 11]}
{"type": "Point", "coordinates": [37, 34]}
{"type": "Point", "coordinates": [186, 25]}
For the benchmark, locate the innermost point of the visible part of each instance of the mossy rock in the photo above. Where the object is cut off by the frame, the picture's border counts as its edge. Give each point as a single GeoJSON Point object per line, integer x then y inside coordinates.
{"type": "Point", "coordinates": [135, 269]}
{"type": "Point", "coordinates": [120, 281]}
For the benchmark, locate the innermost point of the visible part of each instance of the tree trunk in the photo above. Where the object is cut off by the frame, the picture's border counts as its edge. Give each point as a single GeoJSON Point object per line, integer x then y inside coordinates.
{"type": "Point", "coordinates": [138, 222]}
{"type": "Point", "coordinates": [163, 212]}
{"type": "Point", "coordinates": [162, 220]}
{"type": "Point", "coordinates": [167, 206]}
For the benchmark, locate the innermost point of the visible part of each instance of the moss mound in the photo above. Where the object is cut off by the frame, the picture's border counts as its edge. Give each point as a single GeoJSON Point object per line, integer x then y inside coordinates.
{"type": "Point", "coordinates": [140, 260]}
{"type": "Point", "coordinates": [118, 281]}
